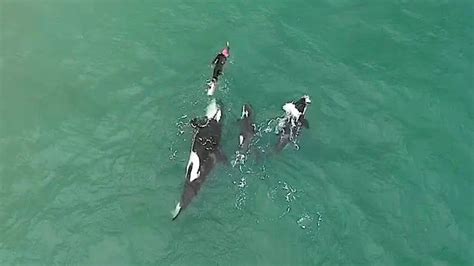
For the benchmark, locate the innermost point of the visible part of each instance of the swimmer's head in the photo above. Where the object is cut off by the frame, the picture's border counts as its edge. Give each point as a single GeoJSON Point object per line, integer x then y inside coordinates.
{"type": "Point", "coordinates": [225, 52]}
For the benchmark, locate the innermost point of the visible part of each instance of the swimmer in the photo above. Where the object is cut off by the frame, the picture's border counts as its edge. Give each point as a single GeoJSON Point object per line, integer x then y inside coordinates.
{"type": "Point", "coordinates": [218, 63]}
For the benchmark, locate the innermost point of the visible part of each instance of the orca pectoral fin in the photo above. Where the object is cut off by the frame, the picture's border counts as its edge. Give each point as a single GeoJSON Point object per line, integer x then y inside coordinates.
{"type": "Point", "coordinates": [176, 211]}
{"type": "Point", "coordinates": [305, 123]}
{"type": "Point", "coordinates": [221, 157]}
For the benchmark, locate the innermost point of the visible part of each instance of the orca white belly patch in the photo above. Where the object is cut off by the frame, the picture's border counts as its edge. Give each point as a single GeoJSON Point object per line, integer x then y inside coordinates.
{"type": "Point", "coordinates": [290, 109]}
{"type": "Point", "coordinates": [194, 164]}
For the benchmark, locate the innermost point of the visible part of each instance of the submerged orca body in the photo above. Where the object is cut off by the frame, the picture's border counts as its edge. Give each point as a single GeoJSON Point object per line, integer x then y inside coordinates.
{"type": "Point", "coordinates": [293, 122]}
{"type": "Point", "coordinates": [205, 153]}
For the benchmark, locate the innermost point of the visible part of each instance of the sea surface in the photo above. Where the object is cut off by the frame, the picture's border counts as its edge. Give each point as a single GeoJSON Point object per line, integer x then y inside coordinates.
{"type": "Point", "coordinates": [95, 103]}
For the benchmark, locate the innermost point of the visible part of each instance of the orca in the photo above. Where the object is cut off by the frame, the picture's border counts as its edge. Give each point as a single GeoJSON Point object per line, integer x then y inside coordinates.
{"type": "Point", "coordinates": [292, 123]}
{"type": "Point", "coordinates": [205, 154]}
{"type": "Point", "coordinates": [247, 128]}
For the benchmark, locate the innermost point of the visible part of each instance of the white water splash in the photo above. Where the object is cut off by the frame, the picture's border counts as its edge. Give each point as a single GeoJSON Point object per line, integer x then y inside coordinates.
{"type": "Point", "coordinates": [242, 183]}
{"type": "Point", "coordinates": [306, 221]}
{"type": "Point", "coordinates": [290, 192]}
{"type": "Point", "coordinates": [213, 110]}
{"type": "Point", "coordinates": [180, 126]}
{"type": "Point", "coordinates": [239, 159]}
{"type": "Point", "coordinates": [241, 194]}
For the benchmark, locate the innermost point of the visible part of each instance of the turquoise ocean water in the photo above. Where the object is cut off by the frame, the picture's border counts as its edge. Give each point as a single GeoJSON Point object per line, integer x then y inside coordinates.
{"type": "Point", "coordinates": [95, 97]}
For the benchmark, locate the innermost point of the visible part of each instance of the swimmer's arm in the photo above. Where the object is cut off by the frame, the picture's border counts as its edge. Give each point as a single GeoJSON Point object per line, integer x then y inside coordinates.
{"type": "Point", "coordinates": [215, 60]}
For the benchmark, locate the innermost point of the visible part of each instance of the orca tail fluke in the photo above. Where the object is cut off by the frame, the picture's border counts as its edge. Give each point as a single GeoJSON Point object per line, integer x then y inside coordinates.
{"type": "Point", "coordinates": [176, 211]}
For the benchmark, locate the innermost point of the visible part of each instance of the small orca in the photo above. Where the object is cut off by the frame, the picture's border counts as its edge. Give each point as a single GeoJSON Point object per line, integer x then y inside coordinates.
{"type": "Point", "coordinates": [247, 128]}
{"type": "Point", "coordinates": [293, 121]}
{"type": "Point", "coordinates": [205, 153]}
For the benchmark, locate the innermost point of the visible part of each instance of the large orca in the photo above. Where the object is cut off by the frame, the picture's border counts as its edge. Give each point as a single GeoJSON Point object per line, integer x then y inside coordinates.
{"type": "Point", "coordinates": [293, 121]}
{"type": "Point", "coordinates": [205, 153]}
{"type": "Point", "coordinates": [247, 128]}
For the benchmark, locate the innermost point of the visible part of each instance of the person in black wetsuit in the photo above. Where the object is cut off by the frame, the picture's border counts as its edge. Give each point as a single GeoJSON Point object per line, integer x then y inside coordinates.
{"type": "Point", "coordinates": [218, 63]}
